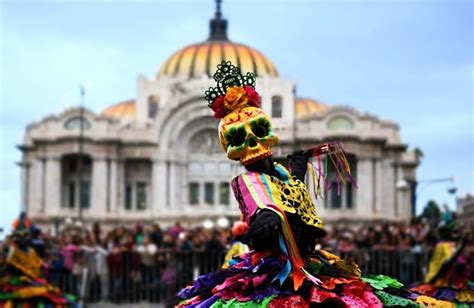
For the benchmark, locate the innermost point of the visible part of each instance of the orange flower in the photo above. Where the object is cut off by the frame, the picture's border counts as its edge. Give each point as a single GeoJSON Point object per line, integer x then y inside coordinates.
{"type": "Point", "coordinates": [235, 98]}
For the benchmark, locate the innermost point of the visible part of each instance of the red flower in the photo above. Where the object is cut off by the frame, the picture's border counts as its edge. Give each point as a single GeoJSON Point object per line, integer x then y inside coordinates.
{"type": "Point", "coordinates": [218, 107]}
{"type": "Point", "coordinates": [253, 96]}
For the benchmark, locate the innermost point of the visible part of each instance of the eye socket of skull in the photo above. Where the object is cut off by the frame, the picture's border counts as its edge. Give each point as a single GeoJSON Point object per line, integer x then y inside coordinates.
{"type": "Point", "coordinates": [260, 127]}
{"type": "Point", "coordinates": [236, 136]}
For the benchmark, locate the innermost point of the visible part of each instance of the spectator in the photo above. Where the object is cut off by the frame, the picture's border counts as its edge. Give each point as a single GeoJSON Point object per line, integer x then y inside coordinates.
{"type": "Point", "coordinates": [147, 252]}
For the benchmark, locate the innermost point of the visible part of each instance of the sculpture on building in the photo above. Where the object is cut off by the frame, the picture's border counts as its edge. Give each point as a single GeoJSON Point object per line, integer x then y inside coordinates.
{"type": "Point", "coordinates": [282, 269]}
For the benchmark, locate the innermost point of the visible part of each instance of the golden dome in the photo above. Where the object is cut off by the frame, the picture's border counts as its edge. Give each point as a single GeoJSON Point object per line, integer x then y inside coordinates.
{"type": "Point", "coordinates": [203, 58]}
{"type": "Point", "coordinates": [122, 110]}
{"type": "Point", "coordinates": [306, 106]}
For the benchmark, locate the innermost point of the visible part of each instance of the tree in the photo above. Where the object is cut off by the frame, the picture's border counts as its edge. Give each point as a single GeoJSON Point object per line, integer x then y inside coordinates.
{"type": "Point", "coordinates": [432, 213]}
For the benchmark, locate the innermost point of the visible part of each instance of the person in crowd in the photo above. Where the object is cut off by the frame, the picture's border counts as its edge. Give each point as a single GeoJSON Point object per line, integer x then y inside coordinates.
{"type": "Point", "coordinates": [176, 229]}
{"type": "Point", "coordinates": [139, 233]}
{"type": "Point", "coordinates": [114, 261]}
{"type": "Point", "coordinates": [147, 251]}
{"type": "Point", "coordinates": [450, 275]}
{"type": "Point", "coordinates": [237, 246]}
{"type": "Point", "coordinates": [156, 235]}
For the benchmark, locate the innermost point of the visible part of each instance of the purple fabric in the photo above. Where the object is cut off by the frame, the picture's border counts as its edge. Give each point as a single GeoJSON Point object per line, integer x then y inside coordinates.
{"type": "Point", "coordinates": [243, 267]}
{"type": "Point", "coordinates": [412, 296]}
{"type": "Point", "coordinates": [68, 256]}
{"type": "Point", "coordinates": [445, 294]}
{"type": "Point", "coordinates": [208, 302]}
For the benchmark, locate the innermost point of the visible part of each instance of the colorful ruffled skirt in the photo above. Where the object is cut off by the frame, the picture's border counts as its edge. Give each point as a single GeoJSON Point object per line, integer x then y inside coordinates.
{"type": "Point", "coordinates": [22, 291]}
{"type": "Point", "coordinates": [263, 280]}
{"type": "Point", "coordinates": [454, 288]}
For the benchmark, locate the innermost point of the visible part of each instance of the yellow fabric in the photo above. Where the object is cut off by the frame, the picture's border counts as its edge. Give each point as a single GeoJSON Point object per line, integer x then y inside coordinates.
{"type": "Point", "coordinates": [442, 253]}
{"type": "Point", "coordinates": [292, 196]}
{"type": "Point", "coordinates": [236, 249]}
{"type": "Point", "coordinates": [27, 262]}
{"type": "Point", "coordinates": [329, 256]}
{"type": "Point", "coordinates": [427, 301]}
{"type": "Point", "coordinates": [465, 296]}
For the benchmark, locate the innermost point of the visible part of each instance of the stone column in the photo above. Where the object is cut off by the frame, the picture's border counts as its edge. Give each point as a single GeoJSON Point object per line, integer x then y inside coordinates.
{"type": "Point", "coordinates": [387, 186]}
{"type": "Point", "coordinates": [113, 185]}
{"type": "Point", "coordinates": [173, 184]}
{"type": "Point", "coordinates": [378, 194]}
{"type": "Point", "coordinates": [53, 186]}
{"type": "Point", "coordinates": [25, 186]}
{"type": "Point", "coordinates": [36, 187]}
{"type": "Point", "coordinates": [158, 185]}
{"type": "Point", "coordinates": [364, 194]}
{"type": "Point", "coordinates": [120, 187]}
{"type": "Point", "coordinates": [33, 188]}
{"type": "Point", "coordinates": [396, 194]}
{"type": "Point", "coordinates": [99, 187]}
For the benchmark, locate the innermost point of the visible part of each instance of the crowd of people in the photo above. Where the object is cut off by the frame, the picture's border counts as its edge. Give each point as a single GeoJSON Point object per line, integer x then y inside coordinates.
{"type": "Point", "coordinates": [142, 263]}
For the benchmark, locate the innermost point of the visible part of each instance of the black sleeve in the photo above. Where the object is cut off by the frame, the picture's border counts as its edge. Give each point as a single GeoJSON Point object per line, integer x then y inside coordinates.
{"type": "Point", "coordinates": [298, 163]}
{"type": "Point", "coordinates": [263, 231]}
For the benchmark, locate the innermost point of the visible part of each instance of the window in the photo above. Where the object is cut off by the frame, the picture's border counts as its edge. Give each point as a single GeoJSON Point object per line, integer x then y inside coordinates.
{"type": "Point", "coordinates": [340, 122]}
{"type": "Point", "coordinates": [277, 106]}
{"type": "Point", "coordinates": [334, 199]}
{"type": "Point", "coordinates": [153, 105]}
{"type": "Point", "coordinates": [349, 198]}
{"type": "Point", "coordinates": [128, 197]}
{"type": "Point", "coordinates": [138, 177]}
{"type": "Point", "coordinates": [209, 193]}
{"type": "Point", "coordinates": [193, 193]}
{"type": "Point", "coordinates": [224, 193]}
{"type": "Point", "coordinates": [75, 123]}
{"type": "Point", "coordinates": [85, 194]}
{"type": "Point", "coordinates": [141, 195]}
{"type": "Point", "coordinates": [346, 197]}
{"type": "Point", "coordinates": [76, 174]}
{"type": "Point", "coordinates": [71, 195]}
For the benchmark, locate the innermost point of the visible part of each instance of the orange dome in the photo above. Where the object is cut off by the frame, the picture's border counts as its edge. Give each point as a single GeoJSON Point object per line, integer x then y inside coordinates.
{"type": "Point", "coordinates": [307, 106]}
{"type": "Point", "coordinates": [203, 58]}
{"type": "Point", "coordinates": [121, 110]}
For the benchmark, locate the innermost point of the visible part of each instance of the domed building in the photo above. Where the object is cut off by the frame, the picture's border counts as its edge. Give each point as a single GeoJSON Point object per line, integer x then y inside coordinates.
{"type": "Point", "coordinates": [157, 157]}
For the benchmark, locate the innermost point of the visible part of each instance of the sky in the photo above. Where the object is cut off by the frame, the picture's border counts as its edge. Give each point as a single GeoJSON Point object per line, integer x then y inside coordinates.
{"type": "Point", "coordinates": [408, 61]}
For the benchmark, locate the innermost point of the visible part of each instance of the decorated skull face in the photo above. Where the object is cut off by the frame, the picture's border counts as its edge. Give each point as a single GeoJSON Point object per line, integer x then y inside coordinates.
{"type": "Point", "coordinates": [246, 135]}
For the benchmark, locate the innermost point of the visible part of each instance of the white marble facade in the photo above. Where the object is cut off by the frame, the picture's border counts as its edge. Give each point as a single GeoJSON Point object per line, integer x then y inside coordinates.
{"type": "Point", "coordinates": [157, 157]}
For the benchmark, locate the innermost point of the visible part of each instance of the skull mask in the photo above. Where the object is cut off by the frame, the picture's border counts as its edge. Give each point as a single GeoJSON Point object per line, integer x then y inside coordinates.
{"type": "Point", "coordinates": [246, 135]}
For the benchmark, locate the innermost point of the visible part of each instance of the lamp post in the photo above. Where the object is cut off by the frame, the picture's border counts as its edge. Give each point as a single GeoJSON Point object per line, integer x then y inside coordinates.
{"type": "Point", "coordinates": [413, 184]}
{"type": "Point", "coordinates": [81, 153]}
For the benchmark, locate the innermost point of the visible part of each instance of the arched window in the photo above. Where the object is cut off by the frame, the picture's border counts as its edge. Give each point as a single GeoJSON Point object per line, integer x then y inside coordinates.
{"type": "Point", "coordinates": [340, 122]}
{"type": "Point", "coordinates": [75, 123]}
{"type": "Point", "coordinates": [277, 106]}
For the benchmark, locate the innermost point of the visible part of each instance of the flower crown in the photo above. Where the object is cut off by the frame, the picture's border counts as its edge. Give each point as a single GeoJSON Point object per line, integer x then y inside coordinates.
{"type": "Point", "coordinates": [233, 90]}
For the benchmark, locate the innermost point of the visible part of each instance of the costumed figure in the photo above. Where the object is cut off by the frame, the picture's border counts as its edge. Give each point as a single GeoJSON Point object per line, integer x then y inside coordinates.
{"type": "Point", "coordinates": [237, 247]}
{"type": "Point", "coordinates": [283, 269]}
{"type": "Point", "coordinates": [21, 281]}
{"type": "Point", "coordinates": [450, 274]}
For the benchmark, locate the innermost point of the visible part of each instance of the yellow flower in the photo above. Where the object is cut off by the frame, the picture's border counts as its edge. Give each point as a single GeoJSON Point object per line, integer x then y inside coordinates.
{"type": "Point", "coordinates": [235, 98]}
